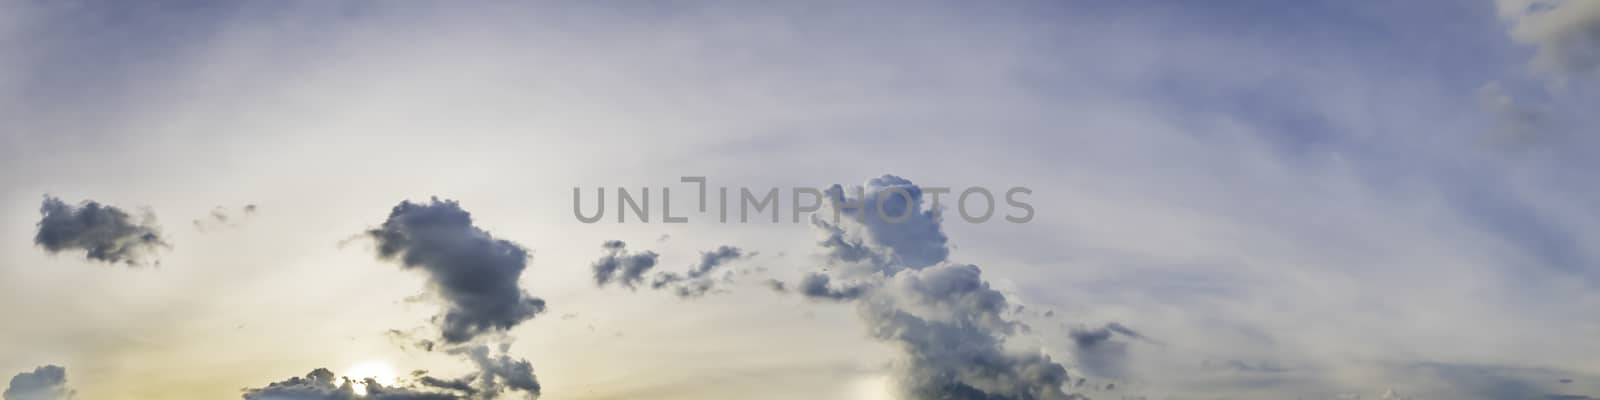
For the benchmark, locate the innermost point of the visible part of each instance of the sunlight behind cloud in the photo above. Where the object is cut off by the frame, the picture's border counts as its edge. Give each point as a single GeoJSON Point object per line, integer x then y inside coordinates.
{"type": "Point", "coordinates": [377, 370]}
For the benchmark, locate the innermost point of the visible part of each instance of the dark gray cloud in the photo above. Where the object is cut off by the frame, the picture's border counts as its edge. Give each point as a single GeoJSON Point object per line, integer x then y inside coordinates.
{"type": "Point", "coordinates": [842, 248]}
{"type": "Point", "coordinates": [408, 340]}
{"type": "Point", "coordinates": [475, 274]}
{"type": "Point", "coordinates": [776, 285]}
{"type": "Point", "coordinates": [819, 286]}
{"type": "Point", "coordinates": [628, 269]}
{"type": "Point", "coordinates": [950, 326]}
{"type": "Point", "coordinates": [916, 242]}
{"type": "Point", "coordinates": [1121, 329]}
{"type": "Point", "coordinates": [710, 260]}
{"type": "Point", "coordinates": [622, 267]}
{"type": "Point", "coordinates": [43, 383]}
{"type": "Point", "coordinates": [698, 280]}
{"type": "Point", "coordinates": [686, 288]}
{"type": "Point", "coordinates": [322, 384]}
{"type": "Point", "coordinates": [496, 375]}
{"type": "Point", "coordinates": [224, 217]}
{"type": "Point", "coordinates": [1098, 352]}
{"type": "Point", "coordinates": [102, 232]}
{"type": "Point", "coordinates": [952, 329]}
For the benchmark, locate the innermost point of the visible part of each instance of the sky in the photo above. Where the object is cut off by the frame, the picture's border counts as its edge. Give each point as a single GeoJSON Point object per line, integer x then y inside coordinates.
{"type": "Point", "coordinates": [1241, 199]}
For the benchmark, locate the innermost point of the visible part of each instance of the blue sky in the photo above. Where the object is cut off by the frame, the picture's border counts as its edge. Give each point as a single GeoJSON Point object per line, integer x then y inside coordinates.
{"type": "Point", "coordinates": [1323, 199]}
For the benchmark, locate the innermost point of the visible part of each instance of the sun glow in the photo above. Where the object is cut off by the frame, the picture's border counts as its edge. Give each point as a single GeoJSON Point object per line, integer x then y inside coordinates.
{"type": "Point", "coordinates": [874, 388]}
{"type": "Point", "coordinates": [377, 370]}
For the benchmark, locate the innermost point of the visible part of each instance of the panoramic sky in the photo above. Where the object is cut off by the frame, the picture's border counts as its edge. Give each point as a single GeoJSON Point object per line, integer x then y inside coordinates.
{"type": "Point", "coordinates": [1241, 199]}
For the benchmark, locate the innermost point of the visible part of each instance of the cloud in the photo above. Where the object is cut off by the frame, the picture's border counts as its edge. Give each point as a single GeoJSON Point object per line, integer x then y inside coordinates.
{"type": "Point", "coordinates": [222, 217]}
{"type": "Point", "coordinates": [949, 325]}
{"type": "Point", "coordinates": [496, 375]}
{"type": "Point", "coordinates": [102, 232]}
{"type": "Point", "coordinates": [44, 383]}
{"type": "Point", "coordinates": [322, 384]}
{"type": "Point", "coordinates": [1564, 33]}
{"type": "Point", "coordinates": [620, 266]}
{"type": "Point", "coordinates": [475, 274]}
{"type": "Point", "coordinates": [1097, 351]}
{"type": "Point", "coordinates": [818, 286]}
{"type": "Point", "coordinates": [628, 269]}
{"type": "Point", "coordinates": [710, 260]}
{"type": "Point", "coordinates": [916, 242]}
{"type": "Point", "coordinates": [1472, 381]}
{"type": "Point", "coordinates": [1270, 367]}
{"type": "Point", "coordinates": [776, 285]}
{"type": "Point", "coordinates": [697, 281]}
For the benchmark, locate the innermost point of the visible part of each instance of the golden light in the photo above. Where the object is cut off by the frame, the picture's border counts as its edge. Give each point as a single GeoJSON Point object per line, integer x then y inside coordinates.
{"type": "Point", "coordinates": [377, 370]}
{"type": "Point", "coordinates": [874, 388]}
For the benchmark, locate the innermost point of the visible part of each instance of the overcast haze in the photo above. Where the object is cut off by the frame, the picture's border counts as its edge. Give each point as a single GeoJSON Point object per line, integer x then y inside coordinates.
{"type": "Point", "coordinates": [1231, 200]}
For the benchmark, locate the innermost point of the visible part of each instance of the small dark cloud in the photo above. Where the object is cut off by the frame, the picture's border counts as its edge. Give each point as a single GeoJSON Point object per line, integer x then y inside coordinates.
{"type": "Point", "coordinates": [496, 374]}
{"type": "Point", "coordinates": [1256, 367]}
{"type": "Point", "coordinates": [102, 232]}
{"type": "Point", "coordinates": [697, 281]}
{"type": "Point", "coordinates": [690, 288]}
{"type": "Point", "coordinates": [1099, 353]}
{"type": "Point", "coordinates": [777, 285]}
{"type": "Point", "coordinates": [323, 384]}
{"type": "Point", "coordinates": [710, 260]}
{"type": "Point", "coordinates": [622, 267]}
{"type": "Point", "coordinates": [820, 287]}
{"type": "Point", "coordinates": [43, 383]}
{"type": "Point", "coordinates": [475, 274]}
{"type": "Point", "coordinates": [409, 340]}
{"type": "Point", "coordinates": [224, 217]}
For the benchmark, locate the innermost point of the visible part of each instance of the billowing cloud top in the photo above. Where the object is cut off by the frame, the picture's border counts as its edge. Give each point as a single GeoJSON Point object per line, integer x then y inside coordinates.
{"type": "Point", "coordinates": [622, 267]}
{"type": "Point", "coordinates": [44, 383]}
{"type": "Point", "coordinates": [475, 274]}
{"type": "Point", "coordinates": [949, 324]}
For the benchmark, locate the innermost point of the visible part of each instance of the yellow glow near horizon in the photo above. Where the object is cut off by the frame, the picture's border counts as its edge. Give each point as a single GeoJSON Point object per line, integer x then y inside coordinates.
{"type": "Point", "coordinates": [377, 370]}
{"type": "Point", "coordinates": [874, 388]}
